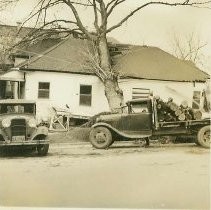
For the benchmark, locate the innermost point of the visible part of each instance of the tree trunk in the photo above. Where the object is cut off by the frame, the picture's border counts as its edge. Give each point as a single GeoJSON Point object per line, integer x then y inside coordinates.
{"type": "Point", "coordinates": [113, 93]}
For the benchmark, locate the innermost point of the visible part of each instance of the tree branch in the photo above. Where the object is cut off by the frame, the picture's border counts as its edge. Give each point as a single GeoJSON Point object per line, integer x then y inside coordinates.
{"type": "Point", "coordinates": [39, 11]}
{"type": "Point", "coordinates": [115, 4]}
{"type": "Point", "coordinates": [82, 4]}
{"type": "Point", "coordinates": [78, 19]}
{"type": "Point", "coordinates": [185, 3]}
{"type": "Point", "coordinates": [96, 16]}
{"type": "Point", "coordinates": [103, 14]}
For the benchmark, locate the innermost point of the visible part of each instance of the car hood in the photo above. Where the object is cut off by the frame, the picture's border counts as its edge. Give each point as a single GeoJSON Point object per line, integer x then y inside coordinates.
{"type": "Point", "coordinates": [18, 116]}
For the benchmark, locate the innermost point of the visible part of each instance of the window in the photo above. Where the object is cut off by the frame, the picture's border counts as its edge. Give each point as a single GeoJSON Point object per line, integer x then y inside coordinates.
{"type": "Point", "coordinates": [43, 90]}
{"type": "Point", "coordinates": [85, 95]}
{"type": "Point", "coordinates": [140, 107]}
{"type": "Point", "coordinates": [140, 93]}
{"type": "Point", "coordinates": [196, 99]}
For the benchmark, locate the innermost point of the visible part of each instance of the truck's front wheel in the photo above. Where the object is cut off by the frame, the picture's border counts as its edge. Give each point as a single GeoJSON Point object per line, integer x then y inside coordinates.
{"type": "Point", "coordinates": [42, 149]}
{"type": "Point", "coordinates": [100, 137]}
{"type": "Point", "coordinates": [203, 136]}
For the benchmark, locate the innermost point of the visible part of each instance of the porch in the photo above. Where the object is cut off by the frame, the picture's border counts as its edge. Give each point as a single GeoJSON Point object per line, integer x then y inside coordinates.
{"type": "Point", "coordinates": [12, 84]}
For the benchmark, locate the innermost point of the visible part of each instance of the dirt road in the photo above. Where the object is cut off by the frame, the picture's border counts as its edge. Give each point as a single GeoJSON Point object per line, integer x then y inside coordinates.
{"type": "Point", "coordinates": [131, 177]}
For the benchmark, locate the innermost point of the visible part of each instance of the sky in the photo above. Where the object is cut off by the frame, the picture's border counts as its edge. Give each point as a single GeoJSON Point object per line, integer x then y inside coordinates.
{"type": "Point", "coordinates": [153, 26]}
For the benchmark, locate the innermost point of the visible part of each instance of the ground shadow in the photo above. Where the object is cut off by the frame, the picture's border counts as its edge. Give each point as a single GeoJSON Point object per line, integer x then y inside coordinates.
{"type": "Point", "coordinates": [18, 151]}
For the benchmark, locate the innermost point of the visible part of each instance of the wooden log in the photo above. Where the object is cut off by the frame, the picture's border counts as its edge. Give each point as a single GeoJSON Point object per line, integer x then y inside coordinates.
{"type": "Point", "coordinates": [184, 104]}
{"type": "Point", "coordinates": [157, 98]}
{"type": "Point", "coordinates": [169, 118]}
{"type": "Point", "coordinates": [178, 112]}
{"type": "Point", "coordinates": [188, 116]}
{"type": "Point", "coordinates": [197, 115]}
{"type": "Point", "coordinates": [173, 106]}
{"type": "Point", "coordinates": [191, 112]}
{"type": "Point", "coordinates": [181, 117]}
{"type": "Point", "coordinates": [159, 106]}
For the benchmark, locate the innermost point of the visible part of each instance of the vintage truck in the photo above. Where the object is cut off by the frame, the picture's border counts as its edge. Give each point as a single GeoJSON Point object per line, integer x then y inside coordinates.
{"type": "Point", "coordinates": [18, 126]}
{"type": "Point", "coordinates": [140, 121]}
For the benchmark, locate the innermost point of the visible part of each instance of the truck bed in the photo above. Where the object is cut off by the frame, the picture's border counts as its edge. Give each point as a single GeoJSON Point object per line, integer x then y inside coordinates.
{"type": "Point", "coordinates": [179, 127]}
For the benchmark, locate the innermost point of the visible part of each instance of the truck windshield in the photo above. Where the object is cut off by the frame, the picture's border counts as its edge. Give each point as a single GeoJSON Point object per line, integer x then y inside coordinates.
{"type": "Point", "coordinates": [18, 109]}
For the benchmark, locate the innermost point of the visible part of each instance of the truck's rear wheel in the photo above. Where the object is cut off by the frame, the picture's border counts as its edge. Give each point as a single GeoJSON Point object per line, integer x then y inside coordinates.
{"type": "Point", "coordinates": [42, 149]}
{"type": "Point", "coordinates": [100, 137]}
{"type": "Point", "coordinates": [203, 136]}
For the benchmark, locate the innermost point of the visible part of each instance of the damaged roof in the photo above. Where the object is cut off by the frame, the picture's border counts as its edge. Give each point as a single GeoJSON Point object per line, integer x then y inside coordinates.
{"type": "Point", "coordinates": [153, 63]}
{"type": "Point", "coordinates": [142, 62]}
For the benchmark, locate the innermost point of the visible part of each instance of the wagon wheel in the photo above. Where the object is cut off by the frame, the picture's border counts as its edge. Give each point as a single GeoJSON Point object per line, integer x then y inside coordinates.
{"type": "Point", "coordinates": [100, 137]}
{"type": "Point", "coordinates": [203, 136]}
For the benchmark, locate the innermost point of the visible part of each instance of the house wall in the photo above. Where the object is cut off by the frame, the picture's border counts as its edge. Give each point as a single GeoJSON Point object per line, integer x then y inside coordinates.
{"type": "Point", "coordinates": [65, 89]}
{"type": "Point", "coordinates": [179, 91]}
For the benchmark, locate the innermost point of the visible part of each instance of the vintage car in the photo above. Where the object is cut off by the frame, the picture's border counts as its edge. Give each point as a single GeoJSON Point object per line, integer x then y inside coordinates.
{"type": "Point", "coordinates": [18, 126]}
{"type": "Point", "coordinates": [140, 121]}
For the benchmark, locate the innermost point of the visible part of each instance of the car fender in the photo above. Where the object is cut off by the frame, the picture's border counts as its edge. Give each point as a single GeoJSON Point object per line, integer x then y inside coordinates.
{"type": "Point", "coordinates": [123, 134]}
{"type": "Point", "coordinates": [3, 134]}
{"type": "Point", "coordinates": [41, 130]}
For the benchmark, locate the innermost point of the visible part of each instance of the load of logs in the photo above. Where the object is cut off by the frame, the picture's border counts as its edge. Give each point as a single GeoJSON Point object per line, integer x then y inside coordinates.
{"type": "Point", "coordinates": [169, 111]}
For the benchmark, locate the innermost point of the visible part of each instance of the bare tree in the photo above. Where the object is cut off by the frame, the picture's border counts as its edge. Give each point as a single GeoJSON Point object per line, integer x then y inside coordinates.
{"type": "Point", "coordinates": [7, 41]}
{"type": "Point", "coordinates": [5, 3]}
{"type": "Point", "coordinates": [189, 48]}
{"type": "Point", "coordinates": [102, 11]}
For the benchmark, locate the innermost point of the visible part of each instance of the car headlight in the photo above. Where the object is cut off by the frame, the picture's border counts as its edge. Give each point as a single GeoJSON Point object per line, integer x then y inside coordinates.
{"type": "Point", "coordinates": [32, 123]}
{"type": "Point", "coordinates": [6, 123]}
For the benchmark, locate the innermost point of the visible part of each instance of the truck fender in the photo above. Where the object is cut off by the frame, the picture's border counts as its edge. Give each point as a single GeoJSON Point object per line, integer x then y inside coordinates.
{"type": "Point", "coordinates": [41, 130]}
{"type": "Point", "coordinates": [111, 128]}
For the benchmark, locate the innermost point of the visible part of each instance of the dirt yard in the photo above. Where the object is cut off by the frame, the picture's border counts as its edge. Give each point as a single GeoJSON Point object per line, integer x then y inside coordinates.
{"type": "Point", "coordinates": [124, 176]}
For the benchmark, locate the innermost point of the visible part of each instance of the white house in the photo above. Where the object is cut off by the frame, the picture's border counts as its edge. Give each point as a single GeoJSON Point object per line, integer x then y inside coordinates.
{"type": "Point", "coordinates": [59, 76]}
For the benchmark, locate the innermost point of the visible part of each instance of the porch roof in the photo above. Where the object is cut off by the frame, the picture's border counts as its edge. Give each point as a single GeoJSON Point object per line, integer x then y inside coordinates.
{"type": "Point", "coordinates": [13, 75]}
{"type": "Point", "coordinates": [17, 101]}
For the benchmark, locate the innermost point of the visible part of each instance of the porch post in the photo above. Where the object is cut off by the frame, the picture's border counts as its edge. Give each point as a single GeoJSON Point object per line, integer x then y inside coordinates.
{"type": "Point", "coordinates": [15, 90]}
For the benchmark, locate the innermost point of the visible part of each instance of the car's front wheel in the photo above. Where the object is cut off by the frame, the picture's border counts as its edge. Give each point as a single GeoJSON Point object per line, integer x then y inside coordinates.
{"type": "Point", "coordinates": [100, 137]}
{"type": "Point", "coordinates": [42, 149]}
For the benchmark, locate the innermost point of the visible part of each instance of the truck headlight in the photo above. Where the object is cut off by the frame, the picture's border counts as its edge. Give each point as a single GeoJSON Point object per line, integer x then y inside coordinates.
{"type": "Point", "coordinates": [6, 123]}
{"type": "Point", "coordinates": [32, 123]}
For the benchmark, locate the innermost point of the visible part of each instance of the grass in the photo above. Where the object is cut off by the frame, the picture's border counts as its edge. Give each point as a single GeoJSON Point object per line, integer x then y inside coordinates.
{"type": "Point", "coordinates": [74, 135]}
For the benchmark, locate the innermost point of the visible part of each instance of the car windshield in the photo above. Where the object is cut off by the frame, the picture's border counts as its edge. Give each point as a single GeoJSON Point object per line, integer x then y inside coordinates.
{"type": "Point", "coordinates": [17, 108]}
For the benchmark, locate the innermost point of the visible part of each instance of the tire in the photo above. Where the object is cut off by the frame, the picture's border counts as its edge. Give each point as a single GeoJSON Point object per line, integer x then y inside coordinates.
{"type": "Point", "coordinates": [197, 143]}
{"type": "Point", "coordinates": [100, 137]}
{"type": "Point", "coordinates": [42, 149]}
{"type": "Point", "coordinates": [111, 142]}
{"type": "Point", "coordinates": [203, 136]}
